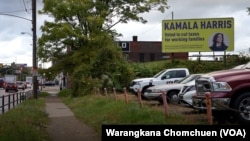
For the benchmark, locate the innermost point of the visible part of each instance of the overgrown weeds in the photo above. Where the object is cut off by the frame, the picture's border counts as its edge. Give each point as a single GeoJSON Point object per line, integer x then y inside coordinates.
{"type": "Point", "coordinates": [25, 122]}
{"type": "Point", "coordinates": [96, 110]}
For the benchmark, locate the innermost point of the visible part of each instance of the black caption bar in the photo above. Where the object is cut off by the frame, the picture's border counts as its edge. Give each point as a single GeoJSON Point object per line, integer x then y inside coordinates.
{"type": "Point", "coordinates": [194, 132]}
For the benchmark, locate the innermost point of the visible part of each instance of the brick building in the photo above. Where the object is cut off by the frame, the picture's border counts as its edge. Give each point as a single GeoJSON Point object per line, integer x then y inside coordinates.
{"type": "Point", "coordinates": [147, 51]}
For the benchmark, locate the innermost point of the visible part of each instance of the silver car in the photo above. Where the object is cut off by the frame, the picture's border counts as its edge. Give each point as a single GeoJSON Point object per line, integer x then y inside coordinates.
{"type": "Point", "coordinates": [20, 85]}
{"type": "Point", "coordinates": [171, 90]}
{"type": "Point", "coordinates": [186, 93]}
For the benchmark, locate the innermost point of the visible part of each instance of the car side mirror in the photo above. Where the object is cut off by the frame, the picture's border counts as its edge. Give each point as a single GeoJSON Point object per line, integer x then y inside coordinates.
{"type": "Point", "coordinates": [163, 77]}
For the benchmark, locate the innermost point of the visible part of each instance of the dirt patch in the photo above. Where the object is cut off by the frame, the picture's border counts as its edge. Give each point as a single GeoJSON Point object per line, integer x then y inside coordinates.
{"type": "Point", "coordinates": [191, 114]}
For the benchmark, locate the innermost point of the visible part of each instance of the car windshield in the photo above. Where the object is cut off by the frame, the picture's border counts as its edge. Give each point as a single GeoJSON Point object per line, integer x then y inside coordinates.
{"type": "Point", "coordinates": [159, 73]}
{"type": "Point", "coordinates": [247, 66]}
{"type": "Point", "coordinates": [189, 78]}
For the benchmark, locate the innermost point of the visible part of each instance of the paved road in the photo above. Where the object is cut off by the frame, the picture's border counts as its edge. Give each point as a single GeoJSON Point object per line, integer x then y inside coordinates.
{"type": "Point", "coordinates": [5, 98]}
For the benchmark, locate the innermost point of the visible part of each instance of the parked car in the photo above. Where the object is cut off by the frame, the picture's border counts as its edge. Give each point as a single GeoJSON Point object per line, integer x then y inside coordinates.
{"type": "Point", "coordinates": [172, 90]}
{"type": "Point", "coordinates": [20, 85]}
{"type": "Point", "coordinates": [2, 83]}
{"type": "Point", "coordinates": [49, 83]}
{"type": "Point", "coordinates": [163, 77]}
{"type": "Point", "coordinates": [186, 93]}
{"type": "Point", "coordinates": [229, 94]}
{"type": "Point", "coordinates": [242, 66]}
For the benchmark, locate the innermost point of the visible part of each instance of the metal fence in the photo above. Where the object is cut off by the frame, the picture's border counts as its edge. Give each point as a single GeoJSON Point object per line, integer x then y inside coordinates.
{"type": "Point", "coordinates": [13, 99]}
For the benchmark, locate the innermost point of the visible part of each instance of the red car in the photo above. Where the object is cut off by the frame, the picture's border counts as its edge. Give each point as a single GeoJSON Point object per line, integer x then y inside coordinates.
{"type": "Point", "coordinates": [1, 83]}
{"type": "Point", "coordinates": [10, 86]}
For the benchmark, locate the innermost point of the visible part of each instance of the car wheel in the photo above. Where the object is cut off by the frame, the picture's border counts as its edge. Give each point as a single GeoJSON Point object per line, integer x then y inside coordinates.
{"type": "Point", "coordinates": [173, 97]}
{"type": "Point", "coordinates": [242, 104]}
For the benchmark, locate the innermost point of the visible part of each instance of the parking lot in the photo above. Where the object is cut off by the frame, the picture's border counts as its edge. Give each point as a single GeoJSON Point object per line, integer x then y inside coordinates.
{"type": "Point", "coordinates": [190, 113]}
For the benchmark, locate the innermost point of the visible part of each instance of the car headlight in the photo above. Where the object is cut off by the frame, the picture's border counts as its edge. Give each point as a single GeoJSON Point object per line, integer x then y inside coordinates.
{"type": "Point", "coordinates": [221, 86]}
{"type": "Point", "coordinates": [138, 82]}
{"type": "Point", "coordinates": [135, 83]}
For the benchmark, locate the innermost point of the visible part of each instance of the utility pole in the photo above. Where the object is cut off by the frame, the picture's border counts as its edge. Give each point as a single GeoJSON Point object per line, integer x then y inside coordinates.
{"type": "Point", "coordinates": [172, 54]}
{"type": "Point", "coordinates": [35, 71]}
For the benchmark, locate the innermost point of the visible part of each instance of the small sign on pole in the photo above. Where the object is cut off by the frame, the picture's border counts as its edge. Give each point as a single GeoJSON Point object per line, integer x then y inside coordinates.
{"type": "Point", "coordinates": [35, 73]}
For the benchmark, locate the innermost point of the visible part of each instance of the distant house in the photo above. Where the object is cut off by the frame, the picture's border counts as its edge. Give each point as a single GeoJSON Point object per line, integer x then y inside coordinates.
{"type": "Point", "coordinates": [147, 51]}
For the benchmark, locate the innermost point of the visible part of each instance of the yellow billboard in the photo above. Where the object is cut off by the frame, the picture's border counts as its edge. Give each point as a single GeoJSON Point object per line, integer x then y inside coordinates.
{"type": "Point", "coordinates": [195, 35]}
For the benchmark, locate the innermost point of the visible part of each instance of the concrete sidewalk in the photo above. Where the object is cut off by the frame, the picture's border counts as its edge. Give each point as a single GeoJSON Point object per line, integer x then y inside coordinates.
{"type": "Point", "coordinates": [64, 126]}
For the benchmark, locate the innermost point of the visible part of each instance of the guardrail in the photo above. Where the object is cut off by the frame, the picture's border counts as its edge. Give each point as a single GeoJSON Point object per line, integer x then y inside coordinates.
{"type": "Point", "coordinates": [13, 99]}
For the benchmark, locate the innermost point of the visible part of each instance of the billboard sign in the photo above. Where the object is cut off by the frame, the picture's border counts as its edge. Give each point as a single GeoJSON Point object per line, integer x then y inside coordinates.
{"type": "Point", "coordinates": [195, 35]}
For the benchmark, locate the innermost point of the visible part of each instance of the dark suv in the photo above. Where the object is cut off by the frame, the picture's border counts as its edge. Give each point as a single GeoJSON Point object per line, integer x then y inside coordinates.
{"type": "Point", "coordinates": [1, 82]}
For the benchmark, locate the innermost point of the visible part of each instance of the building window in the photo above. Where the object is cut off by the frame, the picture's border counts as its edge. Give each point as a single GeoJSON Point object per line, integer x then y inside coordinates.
{"type": "Point", "coordinates": [152, 57]}
{"type": "Point", "coordinates": [141, 57]}
{"type": "Point", "coordinates": [124, 45]}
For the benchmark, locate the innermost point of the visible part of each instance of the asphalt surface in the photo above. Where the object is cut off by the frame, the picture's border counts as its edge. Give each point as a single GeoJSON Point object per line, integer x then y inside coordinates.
{"type": "Point", "coordinates": [64, 126]}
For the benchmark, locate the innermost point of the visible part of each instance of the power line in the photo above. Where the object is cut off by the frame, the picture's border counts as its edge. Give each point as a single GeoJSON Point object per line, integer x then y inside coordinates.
{"type": "Point", "coordinates": [16, 11]}
{"type": "Point", "coordinates": [5, 14]}
{"type": "Point", "coordinates": [25, 7]}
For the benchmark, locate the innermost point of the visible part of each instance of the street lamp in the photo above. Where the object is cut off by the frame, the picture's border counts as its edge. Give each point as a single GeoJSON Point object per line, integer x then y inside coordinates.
{"type": "Point", "coordinates": [27, 33]}
{"type": "Point", "coordinates": [34, 69]}
{"type": "Point", "coordinates": [34, 44]}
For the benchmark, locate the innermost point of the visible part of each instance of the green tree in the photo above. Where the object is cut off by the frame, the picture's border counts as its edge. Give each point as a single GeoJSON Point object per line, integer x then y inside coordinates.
{"type": "Point", "coordinates": [79, 39]}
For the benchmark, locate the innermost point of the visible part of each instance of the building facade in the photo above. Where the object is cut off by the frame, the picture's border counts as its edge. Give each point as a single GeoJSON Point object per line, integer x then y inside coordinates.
{"type": "Point", "coordinates": [147, 51]}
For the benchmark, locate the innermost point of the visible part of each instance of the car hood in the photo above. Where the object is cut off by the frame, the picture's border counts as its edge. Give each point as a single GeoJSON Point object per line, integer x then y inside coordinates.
{"type": "Point", "coordinates": [190, 83]}
{"type": "Point", "coordinates": [143, 79]}
{"type": "Point", "coordinates": [232, 74]}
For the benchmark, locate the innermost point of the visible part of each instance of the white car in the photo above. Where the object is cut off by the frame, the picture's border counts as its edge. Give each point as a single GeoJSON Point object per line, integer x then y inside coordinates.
{"type": "Point", "coordinates": [21, 85]}
{"type": "Point", "coordinates": [242, 66]}
{"type": "Point", "coordinates": [186, 93]}
{"type": "Point", "coordinates": [171, 90]}
{"type": "Point", "coordinates": [163, 77]}
{"type": "Point", "coordinates": [29, 85]}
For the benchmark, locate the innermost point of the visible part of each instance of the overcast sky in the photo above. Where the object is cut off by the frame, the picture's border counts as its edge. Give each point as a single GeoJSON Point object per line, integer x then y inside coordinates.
{"type": "Point", "coordinates": [17, 47]}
